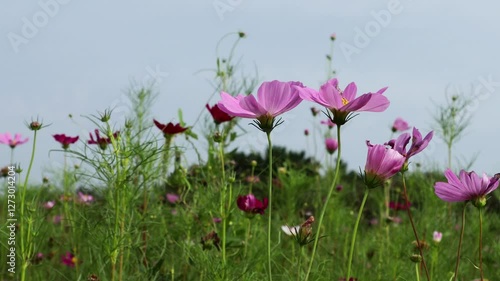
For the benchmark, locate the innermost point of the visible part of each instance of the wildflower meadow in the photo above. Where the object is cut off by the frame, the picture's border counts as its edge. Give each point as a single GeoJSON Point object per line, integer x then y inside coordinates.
{"type": "Point", "coordinates": [128, 204]}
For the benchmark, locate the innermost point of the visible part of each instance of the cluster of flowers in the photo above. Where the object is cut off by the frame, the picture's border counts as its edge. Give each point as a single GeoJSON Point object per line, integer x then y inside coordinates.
{"type": "Point", "coordinates": [383, 160]}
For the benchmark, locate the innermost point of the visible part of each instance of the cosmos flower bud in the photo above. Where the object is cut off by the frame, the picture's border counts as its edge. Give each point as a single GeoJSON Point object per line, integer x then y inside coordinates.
{"type": "Point", "coordinates": [416, 258]}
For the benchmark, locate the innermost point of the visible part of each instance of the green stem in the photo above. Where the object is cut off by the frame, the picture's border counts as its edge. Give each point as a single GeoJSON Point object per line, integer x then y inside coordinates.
{"type": "Point", "coordinates": [325, 205]}
{"type": "Point", "coordinates": [435, 255]}
{"type": "Point", "coordinates": [355, 231]}
{"type": "Point", "coordinates": [166, 154]}
{"type": "Point", "coordinates": [449, 156]}
{"type": "Point", "coordinates": [223, 208]}
{"type": "Point", "coordinates": [25, 253]}
{"type": "Point", "coordinates": [417, 271]}
{"type": "Point", "coordinates": [460, 242]}
{"type": "Point", "coordinates": [408, 210]}
{"type": "Point", "coordinates": [120, 209]}
{"type": "Point", "coordinates": [270, 191]}
{"type": "Point", "coordinates": [247, 237]}
{"type": "Point", "coordinates": [12, 156]}
{"type": "Point", "coordinates": [299, 263]}
{"type": "Point", "coordinates": [481, 243]}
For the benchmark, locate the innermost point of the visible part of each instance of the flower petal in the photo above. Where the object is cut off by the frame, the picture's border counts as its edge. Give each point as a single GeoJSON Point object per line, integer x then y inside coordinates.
{"type": "Point", "coordinates": [231, 106]}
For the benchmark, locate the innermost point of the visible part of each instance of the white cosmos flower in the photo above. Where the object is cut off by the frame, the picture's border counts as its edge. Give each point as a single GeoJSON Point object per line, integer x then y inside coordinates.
{"type": "Point", "coordinates": [294, 230]}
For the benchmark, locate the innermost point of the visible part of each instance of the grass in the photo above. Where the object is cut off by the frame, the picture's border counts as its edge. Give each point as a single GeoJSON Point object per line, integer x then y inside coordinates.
{"type": "Point", "coordinates": [174, 231]}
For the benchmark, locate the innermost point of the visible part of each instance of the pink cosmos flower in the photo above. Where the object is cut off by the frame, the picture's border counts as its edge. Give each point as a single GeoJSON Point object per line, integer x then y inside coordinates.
{"type": "Point", "coordinates": [437, 236]}
{"type": "Point", "coordinates": [466, 187]}
{"type": "Point", "coordinates": [331, 145]}
{"type": "Point", "coordinates": [328, 122]}
{"type": "Point", "coordinates": [172, 198]}
{"type": "Point", "coordinates": [417, 143]}
{"type": "Point", "coordinates": [273, 99]}
{"type": "Point", "coordinates": [250, 204]}
{"type": "Point", "coordinates": [400, 125]}
{"type": "Point", "coordinates": [12, 141]}
{"type": "Point", "coordinates": [85, 198]}
{"type": "Point", "coordinates": [343, 103]}
{"type": "Point", "coordinates": [49, 204]}
{"type": "Point", "coordinates": [381, 164]}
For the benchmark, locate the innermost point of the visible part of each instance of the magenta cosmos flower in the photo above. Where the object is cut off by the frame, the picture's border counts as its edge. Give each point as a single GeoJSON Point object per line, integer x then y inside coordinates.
{"type": "Point", "coordinates": [468, 186]}
{"type": "Point", "coordinates": [64, 140]}
{"type": "Point", "coordinates": [69, 259]}
{"type": "Point", "coordinates": [273, 99]}
{"type": "Point", "coordinates": [417, 143]}
{"type": "Point", "coordinates": [250, 204]}
{"type": "Point", "coordinates": [101, 141]}
{"type": "Point", "coordinates": [343, 103]}
{"type": "Point", "coordinates": [12, 141]}
{"type": "Point", "coordinates": [218, 115]}
{"type": "Point", "coordinates": [331, 145]}
{"type": "Point", "coordinates": [400, 125]}
{"type": "Point", "coordinates": [381, 164]}
{"type": "Point", "coordinates": [169, 129]}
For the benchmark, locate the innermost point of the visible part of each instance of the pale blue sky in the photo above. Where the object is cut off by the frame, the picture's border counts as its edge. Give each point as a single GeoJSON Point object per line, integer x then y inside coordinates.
{"type": "Point", "coordinates": [80, 57]}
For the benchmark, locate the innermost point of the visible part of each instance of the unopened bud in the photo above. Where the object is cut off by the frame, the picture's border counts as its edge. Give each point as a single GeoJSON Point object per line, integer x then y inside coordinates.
{"type": "Point", "coordinates": [416, 258]}
{"type": "Point", "coordinates": [35, 126]}
{"type": "Point", "coordinates": [217, 137]}
{"type": "Point", "coordinates": [479, 202]}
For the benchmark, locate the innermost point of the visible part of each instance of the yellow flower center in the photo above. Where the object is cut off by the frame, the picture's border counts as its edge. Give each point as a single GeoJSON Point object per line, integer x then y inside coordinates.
{"type": "Point", "coordinates": [344, 101]}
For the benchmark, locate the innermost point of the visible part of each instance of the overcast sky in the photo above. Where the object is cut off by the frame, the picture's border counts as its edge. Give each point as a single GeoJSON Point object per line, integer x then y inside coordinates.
{"type": "Point", "coordinates": [60, 57]}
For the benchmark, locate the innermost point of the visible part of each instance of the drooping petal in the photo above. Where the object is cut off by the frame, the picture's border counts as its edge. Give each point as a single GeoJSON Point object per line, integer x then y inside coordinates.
{"type": "Point", "coordinates": [467, 186]}
{"type": "Point", "coordinates": [419, 144]}
{"type": "Point", "coordinates": [231, 106]}
{"type": "Point", "coordinates": [400, 143]}
{"type": "Point", "coordinates": [4, 138]}
{"type": "Point", "coordinates": [311, 95]}
{"type": "Point", "coordinates": [448, 192]}
{"type": "Point", "coordinates": [373, 103]}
